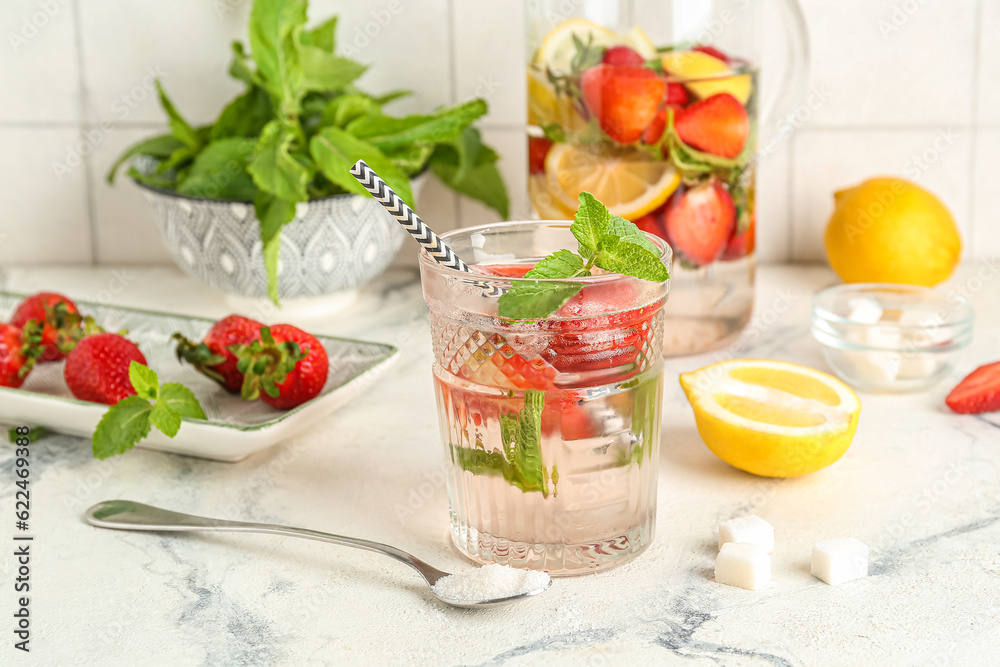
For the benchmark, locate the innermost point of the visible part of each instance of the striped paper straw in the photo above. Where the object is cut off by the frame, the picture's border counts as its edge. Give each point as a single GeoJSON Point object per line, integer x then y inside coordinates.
{"type": "Point", "coordinates": [411, 222]}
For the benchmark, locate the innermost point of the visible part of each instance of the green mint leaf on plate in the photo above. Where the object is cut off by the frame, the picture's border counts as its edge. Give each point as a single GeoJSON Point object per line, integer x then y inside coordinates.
{"type": "Point", "coordinates": [181, 400]}
{"type": "Point", "coordinates": [128, 422]}
{"type": "Point", "coordinates": [122, 427]}
{"type": "Point", "coordinates": [144, 380]}
{"type": "Point", "coordinates": [530, 300]}
{"type": "Point", "coordinates": [165, 419]}
{"type": "Point", "coordinates": [621, 256]}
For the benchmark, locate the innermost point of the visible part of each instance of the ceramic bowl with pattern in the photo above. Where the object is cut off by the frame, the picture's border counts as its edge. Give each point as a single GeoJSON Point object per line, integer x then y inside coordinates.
{"type": "Point", "coordinates": [334, 244]}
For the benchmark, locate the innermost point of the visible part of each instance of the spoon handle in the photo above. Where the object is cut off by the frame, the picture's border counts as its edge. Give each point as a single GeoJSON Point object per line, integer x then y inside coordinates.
{"type": "Point", "coordinates": [129, 515]}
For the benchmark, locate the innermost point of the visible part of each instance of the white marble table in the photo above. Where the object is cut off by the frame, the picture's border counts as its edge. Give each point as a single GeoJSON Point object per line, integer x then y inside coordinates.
{"type": "Point", "coordinates": [920, 485]}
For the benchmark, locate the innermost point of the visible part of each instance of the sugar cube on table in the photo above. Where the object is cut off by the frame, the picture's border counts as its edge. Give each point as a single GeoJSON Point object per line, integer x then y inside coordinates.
{"type": "Point", "coordinates": [747, 530]}
{"type": "Point", "coordinates": [839, 560]}
{"type": "Point", "coordinates": [745, 565]}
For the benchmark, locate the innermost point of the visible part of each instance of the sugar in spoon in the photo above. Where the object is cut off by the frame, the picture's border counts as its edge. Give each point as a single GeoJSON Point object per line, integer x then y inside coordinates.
{"type": "Point", "coordinates": [129, 515]}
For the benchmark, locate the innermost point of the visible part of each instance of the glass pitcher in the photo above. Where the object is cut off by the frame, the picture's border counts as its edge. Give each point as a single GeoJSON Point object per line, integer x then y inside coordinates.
{"type": "Point", "coordinates": [655, 107]}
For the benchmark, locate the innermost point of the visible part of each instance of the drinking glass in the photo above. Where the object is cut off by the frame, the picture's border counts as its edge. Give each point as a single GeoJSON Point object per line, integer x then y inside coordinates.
{"type": "Point", "coordinates": [550, 428]}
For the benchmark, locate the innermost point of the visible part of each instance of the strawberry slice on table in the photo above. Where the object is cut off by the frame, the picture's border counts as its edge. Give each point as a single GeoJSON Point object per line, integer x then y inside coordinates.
{"type": "Point", "coordinates": [623, 99]}
{"type": "Point", "coordinates": [622, 56]}
{"type": "Point", "coordinates": [51, 318]}
{"type": "Point", "coordinates": [718, 125]}
{"type": "Point", "coordinates": [699, 221]}
{"type": "Point", "coordinates": [212, 357]}
{"type": "Point", "coordinates": [978, 392]}
{"type": "Point", "coordinates": [97, 368]}
{"type": "Point", "coordinates": [538, 149]}
{"type": "Point", "coordinates": [285, 368]}
{"type": "Point", "coordinates": [14, 364]}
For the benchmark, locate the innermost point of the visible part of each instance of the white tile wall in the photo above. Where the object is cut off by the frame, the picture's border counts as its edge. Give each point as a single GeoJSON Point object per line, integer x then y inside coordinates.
{"type": "Point", "coordinates": [74, 81]}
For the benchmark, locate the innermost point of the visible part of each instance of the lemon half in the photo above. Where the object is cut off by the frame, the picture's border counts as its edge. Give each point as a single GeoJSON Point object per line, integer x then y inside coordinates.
{"type": "Point", "coordinates": [772, 418]}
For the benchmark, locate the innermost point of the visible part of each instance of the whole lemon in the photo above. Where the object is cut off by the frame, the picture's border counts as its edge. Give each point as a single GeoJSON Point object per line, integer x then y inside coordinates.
{"type": "Point", "coordinates": [888, 230]}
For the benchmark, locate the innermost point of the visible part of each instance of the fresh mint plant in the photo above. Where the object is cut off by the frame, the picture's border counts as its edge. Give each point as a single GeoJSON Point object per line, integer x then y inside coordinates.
{"type": "Point", "coordinates": [128, 422]}
{"type": "Point", "coordinates": [606, 241]}
{"type": "Point", "coordinates": [301, 124]}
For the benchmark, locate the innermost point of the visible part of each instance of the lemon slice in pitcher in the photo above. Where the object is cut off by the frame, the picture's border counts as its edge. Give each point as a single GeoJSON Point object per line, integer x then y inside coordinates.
{"type": "Point", "coordinates": [772, 418]}
{"type": "Point", "coordinates": [558, 48]}
{"type": "Point", "coordinates": [631, 183]}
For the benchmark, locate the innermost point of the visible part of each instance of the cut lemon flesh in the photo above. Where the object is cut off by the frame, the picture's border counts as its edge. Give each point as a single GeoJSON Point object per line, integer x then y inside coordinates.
{"type": "Point", "coordinates": [545, 203]}
{"type": "Point", "coordinates": [629, 182]}
{"type": "Point", "coordinates": [706, 75]}
{"type": "Point", "coordinates": [772, 418]}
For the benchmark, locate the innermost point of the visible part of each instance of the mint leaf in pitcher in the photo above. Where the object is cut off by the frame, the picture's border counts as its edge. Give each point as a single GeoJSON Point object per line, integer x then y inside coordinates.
{"type": "Point", "coordinates": [606, 241]}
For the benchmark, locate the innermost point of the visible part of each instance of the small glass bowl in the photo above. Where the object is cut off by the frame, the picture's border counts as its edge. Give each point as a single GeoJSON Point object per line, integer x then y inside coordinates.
{"type": "Point", "coordinates": [891, 338]}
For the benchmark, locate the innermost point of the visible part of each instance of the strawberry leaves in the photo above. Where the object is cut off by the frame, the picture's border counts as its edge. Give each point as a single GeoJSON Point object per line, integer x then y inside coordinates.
{"type": "Point", "coordinates": [129, 422]}
{"type": "Point", "coordinates": [606, 241]}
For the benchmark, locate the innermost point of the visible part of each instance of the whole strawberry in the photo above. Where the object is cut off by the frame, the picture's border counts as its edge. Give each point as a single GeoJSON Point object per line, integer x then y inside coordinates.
{"type": "Point", "coordinates": [285, 368]}
{"type": "Point", "coordinates": [52, 318]}
{"type": "Point", "coordinates": [212, 357]}
{"type": "Point", "coordinates": [14, 365]}
{"type": "Point", "coordinates": [97, 368]}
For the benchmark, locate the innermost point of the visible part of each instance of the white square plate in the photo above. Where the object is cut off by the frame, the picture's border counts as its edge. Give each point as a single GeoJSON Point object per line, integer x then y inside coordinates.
{"type": "Point", "coordinates": [234, 428]}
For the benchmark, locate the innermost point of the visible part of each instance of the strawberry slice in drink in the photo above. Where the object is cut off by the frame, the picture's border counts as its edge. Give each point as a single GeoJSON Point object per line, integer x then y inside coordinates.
{"type": "Point", "coordinates": [605, 336]}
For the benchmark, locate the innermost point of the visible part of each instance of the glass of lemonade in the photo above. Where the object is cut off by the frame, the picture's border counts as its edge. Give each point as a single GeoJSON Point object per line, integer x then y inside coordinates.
{"type": "Point", "coordinates": [652, 106]}
{"type": "Point", "coordinates": [551, 428]}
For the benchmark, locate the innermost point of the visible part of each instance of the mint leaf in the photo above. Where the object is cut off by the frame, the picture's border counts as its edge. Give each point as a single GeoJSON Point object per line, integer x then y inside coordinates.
{"type": "Point", "coordinates": [239, 69]}
{"type": "Point", "coordinates": [520, 463]}
{"type": "Point", "coordinates": [165, 419]}
{"type": "Point", "coordinates": [126, 424]}
{"type": "Point", "coordinates": [325, 71]}
{"type": "Point", "coordinates": [144, 380]}
{"type": "Point", "coordinates": [386, 132]}
{"type": "Point", "coordinates": [275, 26]}
{"type": "Point", "coordinates": [322, 36]}
{"type": "Point", "coordinates": [560, 264]}
{"type": "Point", "coordinates": [219, 171]}
{"type": "Point", "coordinates": [345, 108]}
{"type": "Point", "coordinates": [621, 256]}
{"type": "Point", "coordinates": [411, 159]}
{"type": "Point", "coordinates": [122, 427]}
{"type": "Point", "coordinates": [273, 213]}
{"type": "Point", "coordinates": [628, 232]}
{"type": "Point", "coordinates": [336, 151]}
{"type": "Point", "coordinates": [178, 126]}
{"type": "Point", "coordinates": [245, 116]}
{"type": "Point", "coordinates": [533, 300]}
{"type": "Point", "coordinates": [590, 224]}
{"type": "Point", "coordinates": [468, 166]}
{"type": "Point", "coordinates": [181, 400]}
{"type": "Point", "coordinates": [528, 300]}
{"type": "Point", "coordinates": [274, 169]}
{"type": "Point", "coordinates": [159, 147]}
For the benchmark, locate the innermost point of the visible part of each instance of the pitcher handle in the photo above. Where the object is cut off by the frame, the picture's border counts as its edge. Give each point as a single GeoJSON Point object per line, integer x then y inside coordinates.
{"type": "Point", "coordinates": [779, 108]}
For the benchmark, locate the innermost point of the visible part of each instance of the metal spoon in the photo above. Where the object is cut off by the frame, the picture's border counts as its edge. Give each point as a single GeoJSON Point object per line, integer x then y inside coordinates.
{"type": "Point", "coordinates": [129, 515]}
